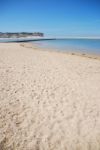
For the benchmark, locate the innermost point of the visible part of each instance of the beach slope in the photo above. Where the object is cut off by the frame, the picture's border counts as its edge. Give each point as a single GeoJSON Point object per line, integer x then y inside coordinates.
{"type": "Point", "coordinates": [48, 100]}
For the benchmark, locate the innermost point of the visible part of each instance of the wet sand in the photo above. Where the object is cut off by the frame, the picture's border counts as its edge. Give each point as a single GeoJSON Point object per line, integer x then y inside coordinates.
{"type": "Point", "coordinates": [48, 100]}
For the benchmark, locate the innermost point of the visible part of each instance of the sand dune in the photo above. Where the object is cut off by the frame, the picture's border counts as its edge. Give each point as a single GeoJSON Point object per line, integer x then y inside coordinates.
{"type": "Point", "coordinates": [48, 100]}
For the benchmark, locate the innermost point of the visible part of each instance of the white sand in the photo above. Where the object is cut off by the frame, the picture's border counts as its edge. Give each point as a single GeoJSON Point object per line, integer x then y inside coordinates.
{"type": "Point", "coordinates": [48, 100]}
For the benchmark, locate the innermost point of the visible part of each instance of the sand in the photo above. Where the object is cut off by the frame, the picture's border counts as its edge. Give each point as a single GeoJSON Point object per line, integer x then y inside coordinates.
{"type": "Point", "coordinates": [48, 100]}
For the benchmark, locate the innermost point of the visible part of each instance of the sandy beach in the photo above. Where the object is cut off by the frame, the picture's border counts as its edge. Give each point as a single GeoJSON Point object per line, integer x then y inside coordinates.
{"type": "Point", "coordinates": [48, 100]}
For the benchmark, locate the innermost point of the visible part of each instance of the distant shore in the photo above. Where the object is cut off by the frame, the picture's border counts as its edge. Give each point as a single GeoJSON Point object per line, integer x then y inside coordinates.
{"type": "Point", "coordinates": [20, 34]}
{"type": "Point", "coordinates": [22, 39]}
{"type": "Point", "coordinates": [48, 100]}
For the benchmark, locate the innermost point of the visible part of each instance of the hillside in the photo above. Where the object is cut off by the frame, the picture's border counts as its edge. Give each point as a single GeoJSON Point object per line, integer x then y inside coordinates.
{"type": "Point", "coordinates": [20, 34]}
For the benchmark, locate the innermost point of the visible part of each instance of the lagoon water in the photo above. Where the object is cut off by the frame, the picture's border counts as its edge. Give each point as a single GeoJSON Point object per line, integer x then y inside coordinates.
{"type": "Point", "coordinates": [77, 45]}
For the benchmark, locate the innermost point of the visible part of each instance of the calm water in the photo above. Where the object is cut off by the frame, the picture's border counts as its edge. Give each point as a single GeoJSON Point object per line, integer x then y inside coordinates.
{"type": "Point", "coordinates": [74, 45]}
{"type": "Point", "coordinates": [77, 45]}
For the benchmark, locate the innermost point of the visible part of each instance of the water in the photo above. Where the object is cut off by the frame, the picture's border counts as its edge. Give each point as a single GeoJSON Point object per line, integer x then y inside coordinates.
{"type": "Point", "coordinates": [74, 45]}
{"type": "Point", "coordinates": [7, 40]}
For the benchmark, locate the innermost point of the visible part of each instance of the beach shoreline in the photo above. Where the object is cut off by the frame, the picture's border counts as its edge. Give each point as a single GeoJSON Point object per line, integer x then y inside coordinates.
{"type": "Point", "coordinates": [49, 100]}
{"type": "Point", "coordinates": [70, 52]}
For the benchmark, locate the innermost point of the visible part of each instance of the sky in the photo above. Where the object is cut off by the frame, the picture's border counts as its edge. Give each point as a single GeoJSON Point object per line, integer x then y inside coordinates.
{"type": "Point", "coordinates": [52, 17]}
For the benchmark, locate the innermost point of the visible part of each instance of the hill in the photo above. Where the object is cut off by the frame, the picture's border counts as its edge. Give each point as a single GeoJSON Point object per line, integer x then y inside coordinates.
{"type": "Point", "coordinates": [20, 34]}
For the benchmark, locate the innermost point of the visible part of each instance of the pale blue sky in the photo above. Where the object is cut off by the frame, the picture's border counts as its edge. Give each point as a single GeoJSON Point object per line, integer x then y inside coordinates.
{"type": "Point", "coordinates": [53, 17]}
